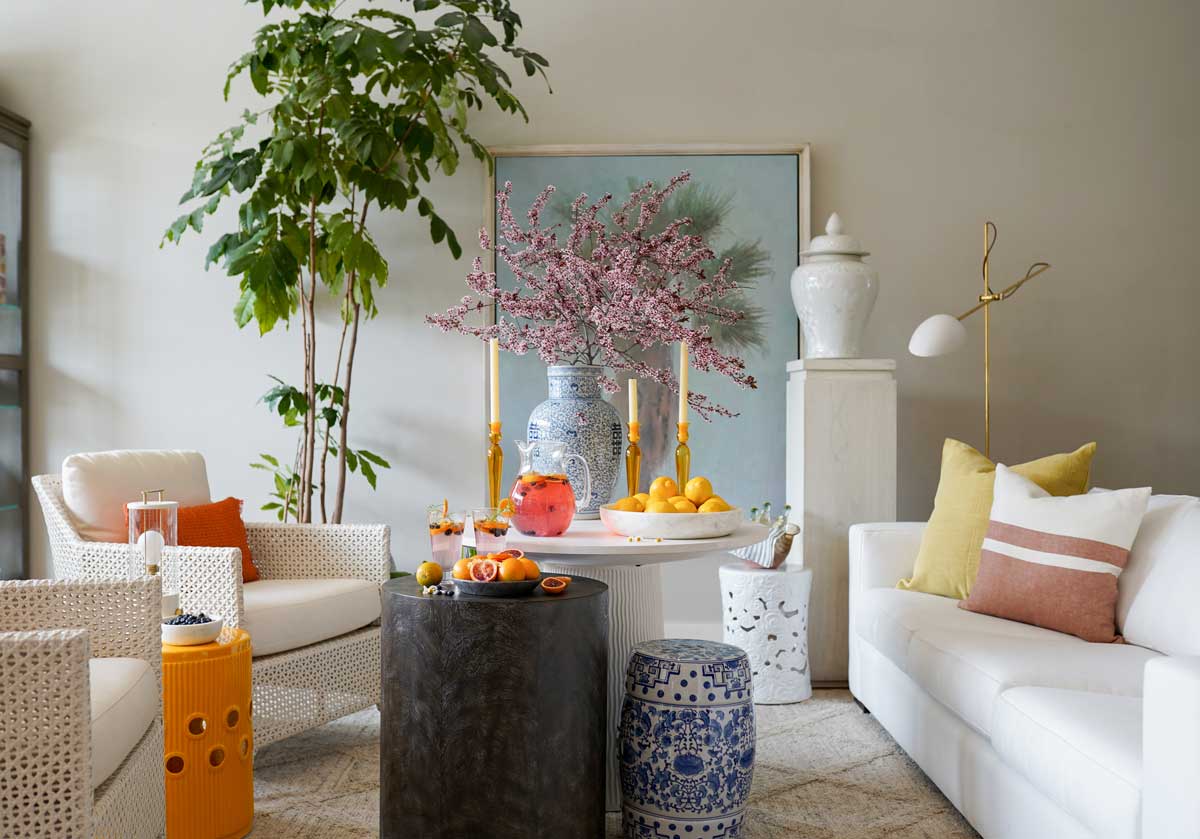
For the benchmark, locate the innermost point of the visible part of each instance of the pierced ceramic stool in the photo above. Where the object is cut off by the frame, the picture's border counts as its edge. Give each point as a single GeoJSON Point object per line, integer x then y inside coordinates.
{"type": "Point", "coordinates": [208, 739]}
{"type": "Point", "coordinates": [686, 740]}
{"type": "Point", "coordinates": [765, 612]}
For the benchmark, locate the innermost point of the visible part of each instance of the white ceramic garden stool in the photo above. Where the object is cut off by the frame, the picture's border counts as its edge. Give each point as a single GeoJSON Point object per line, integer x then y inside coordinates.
{"type": "Point", "coordinates": [765, 612]}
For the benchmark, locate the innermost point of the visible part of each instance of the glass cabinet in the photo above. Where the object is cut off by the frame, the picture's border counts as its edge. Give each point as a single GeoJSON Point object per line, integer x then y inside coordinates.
{"type": "Point", "coordinates": [14, 323]}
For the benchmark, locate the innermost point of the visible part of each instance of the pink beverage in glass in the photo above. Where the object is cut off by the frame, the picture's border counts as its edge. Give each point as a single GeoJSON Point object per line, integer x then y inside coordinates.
{"type": "Point", "coordinates": [446, 537]}
{"type": "Point", "coordinates": [491, 529]}
{"type": "Point", "coordinates": [543, 504]}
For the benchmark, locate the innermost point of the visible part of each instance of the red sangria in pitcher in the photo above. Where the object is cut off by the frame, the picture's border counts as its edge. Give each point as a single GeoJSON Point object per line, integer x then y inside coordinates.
{"type": "Point", "coordinates": [544, 502]}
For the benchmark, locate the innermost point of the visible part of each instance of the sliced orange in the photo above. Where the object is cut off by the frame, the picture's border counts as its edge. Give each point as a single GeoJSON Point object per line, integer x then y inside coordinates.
{"type": "Point", "coordinates": [506, 507]}
{"type": "Point", "coordinates": [485, 570]}
{"type": "Point", "coordinates": [554, 585]}
{"type": "Point", "coordinates": [512, 553]}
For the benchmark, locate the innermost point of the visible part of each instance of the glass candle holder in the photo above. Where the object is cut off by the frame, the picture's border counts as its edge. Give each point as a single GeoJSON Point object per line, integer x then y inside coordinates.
{"type": "Point", "coordinates": [495, 464]}
{"type": "Point", "coordinates": [633, 460]}
{"type": "Point", "coordinates": [154, 525]}
{"type": "Point", "coordinates": [683, 457]}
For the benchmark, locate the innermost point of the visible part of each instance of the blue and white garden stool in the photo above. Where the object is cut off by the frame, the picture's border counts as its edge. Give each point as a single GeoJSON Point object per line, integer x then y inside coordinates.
{"type": "Point", "coordinates": [686, 740]}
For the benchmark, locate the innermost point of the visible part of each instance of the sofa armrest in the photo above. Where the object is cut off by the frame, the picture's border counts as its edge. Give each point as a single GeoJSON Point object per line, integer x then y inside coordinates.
{"type": "Point", "coordinates": [1171, 748]}
{"type": "Point", "coordinates": [882, 554]}
{"type": "Point", "coordinates": [299, 551]}
{"type": "Point", "coordinates": [46, 729]}
{"type": "Point", "coordinates": [210, 580]}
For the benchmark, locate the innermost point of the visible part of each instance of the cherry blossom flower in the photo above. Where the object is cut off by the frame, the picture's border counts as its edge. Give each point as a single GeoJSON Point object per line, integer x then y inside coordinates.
{"type": "Point", "coordinates": [608, 293]}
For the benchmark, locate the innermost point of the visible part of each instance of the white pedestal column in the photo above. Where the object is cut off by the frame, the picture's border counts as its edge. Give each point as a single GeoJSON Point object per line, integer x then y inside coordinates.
{"type": "Point", "coordinates": [841, 470]}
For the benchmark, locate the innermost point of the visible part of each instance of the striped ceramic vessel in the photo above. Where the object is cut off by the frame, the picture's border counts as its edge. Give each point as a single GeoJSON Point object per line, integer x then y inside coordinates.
{"type": "Point", "coordinates": [686, 740]}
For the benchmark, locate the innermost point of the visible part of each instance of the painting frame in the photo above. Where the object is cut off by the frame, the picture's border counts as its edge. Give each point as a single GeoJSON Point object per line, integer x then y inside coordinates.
{"type": "Point", "coordinates": [802, 153]}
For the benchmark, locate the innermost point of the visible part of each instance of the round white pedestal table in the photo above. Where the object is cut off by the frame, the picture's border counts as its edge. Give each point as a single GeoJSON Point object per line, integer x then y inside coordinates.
{"type": "Point", "coordinates": [635, 605]}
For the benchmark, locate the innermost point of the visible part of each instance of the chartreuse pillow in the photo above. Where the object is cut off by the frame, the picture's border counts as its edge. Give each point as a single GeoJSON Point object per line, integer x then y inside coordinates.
{"type": "Point", "coordinates": [949, 556]}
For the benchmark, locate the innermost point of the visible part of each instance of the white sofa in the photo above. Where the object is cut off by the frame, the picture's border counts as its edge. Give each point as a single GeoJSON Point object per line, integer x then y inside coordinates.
{"type": "Point", "coordinates": [1029, 732]}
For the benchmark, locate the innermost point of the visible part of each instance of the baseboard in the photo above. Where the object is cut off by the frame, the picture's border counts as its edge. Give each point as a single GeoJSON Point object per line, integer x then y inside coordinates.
{"type": "Point", "coordinates": [830, 684]}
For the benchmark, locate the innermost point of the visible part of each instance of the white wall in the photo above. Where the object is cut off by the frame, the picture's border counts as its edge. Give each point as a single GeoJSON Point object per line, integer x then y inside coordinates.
{"type": "Point", "coordinates": [1072, 124]}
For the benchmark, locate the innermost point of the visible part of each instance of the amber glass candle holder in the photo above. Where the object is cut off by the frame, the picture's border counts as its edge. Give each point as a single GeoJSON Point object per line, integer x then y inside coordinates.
{"type": "Point", "coordinates": [495, 464]}
{"type": "Point", "coordinates": [633, 459]}
{"type": "Point", "coordinates": [683, 457]}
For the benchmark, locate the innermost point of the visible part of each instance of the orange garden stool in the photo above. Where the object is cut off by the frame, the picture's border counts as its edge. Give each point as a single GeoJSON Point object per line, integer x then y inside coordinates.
{"type": "Point", "coordinates": [208, 738]}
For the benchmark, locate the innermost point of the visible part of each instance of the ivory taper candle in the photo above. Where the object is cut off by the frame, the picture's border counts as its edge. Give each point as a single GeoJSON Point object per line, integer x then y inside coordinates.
{"type": "Point", "coordinates": [633, 406]}
{"type": "Point", "coordinates": [494, 350]}
{"type": "Point", "coordinates": [683, 381]}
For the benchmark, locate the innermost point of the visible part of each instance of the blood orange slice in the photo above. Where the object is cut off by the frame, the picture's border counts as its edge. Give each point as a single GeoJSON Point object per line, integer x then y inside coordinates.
{"type": "Point", "coordinates": [553, 585]}
{"type": "Point", "coordinates": [511, 552]}
{"type": "Point", "coordinates": [485, 570]}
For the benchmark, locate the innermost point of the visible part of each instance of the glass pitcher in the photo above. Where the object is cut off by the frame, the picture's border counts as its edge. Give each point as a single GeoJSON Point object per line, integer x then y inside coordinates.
{"type": "Point", "coordinates": [544, 502]}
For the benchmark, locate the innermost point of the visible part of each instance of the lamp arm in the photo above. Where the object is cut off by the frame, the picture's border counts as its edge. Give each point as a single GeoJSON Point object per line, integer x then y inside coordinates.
{"type": "Point", "coordinates": [1034, 269]}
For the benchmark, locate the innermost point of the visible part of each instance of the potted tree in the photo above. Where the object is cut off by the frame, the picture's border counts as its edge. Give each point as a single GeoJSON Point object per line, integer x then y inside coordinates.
{"type": "Point", "coordinates": [362, 111]}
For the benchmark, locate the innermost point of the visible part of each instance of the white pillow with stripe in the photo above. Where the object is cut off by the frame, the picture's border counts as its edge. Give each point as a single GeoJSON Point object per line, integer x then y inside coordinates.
{"type": "Point", "coordinates": [1054, 561]}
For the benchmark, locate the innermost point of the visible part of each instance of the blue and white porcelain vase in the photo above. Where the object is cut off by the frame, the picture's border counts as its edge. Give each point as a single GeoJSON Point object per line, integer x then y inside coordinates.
{"type": "Point", "coordinates": [686, 740]}
{"type": "Point", "coordinates": [577, 414]}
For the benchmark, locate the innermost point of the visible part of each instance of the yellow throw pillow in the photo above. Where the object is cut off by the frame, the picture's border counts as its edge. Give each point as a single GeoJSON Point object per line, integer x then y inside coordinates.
{"type": "Point", "coordinates": [949, 556]}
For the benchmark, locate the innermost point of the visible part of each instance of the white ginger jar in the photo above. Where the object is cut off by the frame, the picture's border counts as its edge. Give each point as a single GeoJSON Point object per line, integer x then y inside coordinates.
{"type": "Point", "coordinates": [834, 292]}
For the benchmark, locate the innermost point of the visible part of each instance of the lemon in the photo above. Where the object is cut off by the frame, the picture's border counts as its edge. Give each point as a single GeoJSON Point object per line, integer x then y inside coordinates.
{"type": "Point", "coordinates": [644, 497]}
{"type": "Point", "coordinates": [699, 489]}
{"type": "Point", "coordinates": [629, 505]}
{"type": "Point", "coordinates": [716, 504]}
{"type": "Point", "coordinates": [682, 505]}
{"type": "Point", "coordinates": [661, 505]}
{"type": "Point", "coordinates": [663, 488]}
{"type": "Point", "coordinates": [429, 574]}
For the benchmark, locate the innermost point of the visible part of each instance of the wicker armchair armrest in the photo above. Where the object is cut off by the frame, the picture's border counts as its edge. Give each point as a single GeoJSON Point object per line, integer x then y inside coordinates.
{"type": "Point", "coordinates": [123, 617]}
{"type": "Point", "coordinates": [296, 551]}
{"type": "Point", "coordinates": [46, 729]}
{"type": "Point", "coordinates": [210, 580]}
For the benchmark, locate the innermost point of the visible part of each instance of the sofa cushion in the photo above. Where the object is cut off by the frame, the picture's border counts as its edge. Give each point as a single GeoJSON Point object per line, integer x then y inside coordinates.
{"type": "Point", "coordinates": [887, 619]}
{"type": "Point", "coordinates": [1082, 750]}
{"type": "Point", "coordinates": [97, 486]}
{"type": "Point", "coordinates": [1156, 605]}
{"type": "Point", "coordinates": [125, 700]}
{"type": "Point", "coordinates": [967, 671]}
{"type": "Point", "coordinates": [289, 614]}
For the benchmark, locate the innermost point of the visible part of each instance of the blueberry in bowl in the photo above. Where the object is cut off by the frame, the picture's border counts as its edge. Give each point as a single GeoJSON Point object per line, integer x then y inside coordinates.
{"type": "Point", "coordinates": [188, 629]}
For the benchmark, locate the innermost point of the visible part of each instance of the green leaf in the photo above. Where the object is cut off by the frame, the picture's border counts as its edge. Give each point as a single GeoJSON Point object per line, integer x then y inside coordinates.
{"type": "Point", "coordinates": [374, 458]}
{"type": "Point", "coordinates": [269, 459]}
{"type": "Point", "coordinates": [367, 472]}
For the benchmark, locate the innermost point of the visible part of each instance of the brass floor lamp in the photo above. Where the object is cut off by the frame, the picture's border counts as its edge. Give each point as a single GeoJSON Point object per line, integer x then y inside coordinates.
{"type": "Point", "coordinates": [943, 334]}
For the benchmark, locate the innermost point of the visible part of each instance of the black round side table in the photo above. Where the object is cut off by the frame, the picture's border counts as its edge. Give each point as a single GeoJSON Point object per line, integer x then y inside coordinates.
{"type": "Point", "coordinates": [493, 714]}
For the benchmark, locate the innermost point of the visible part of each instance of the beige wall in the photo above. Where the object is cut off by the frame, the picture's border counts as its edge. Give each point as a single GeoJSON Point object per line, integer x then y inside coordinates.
{"type": "Point", "coordinates": [1074, 125]}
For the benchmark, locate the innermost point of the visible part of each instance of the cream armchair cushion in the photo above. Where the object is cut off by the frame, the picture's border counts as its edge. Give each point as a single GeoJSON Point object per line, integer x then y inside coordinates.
{"type": "Point", "coordinates": [125, 700]}
{"type": "Point", "coordinates": [96, 486]}
{"type": "Point", "coordinates": [283, 615]}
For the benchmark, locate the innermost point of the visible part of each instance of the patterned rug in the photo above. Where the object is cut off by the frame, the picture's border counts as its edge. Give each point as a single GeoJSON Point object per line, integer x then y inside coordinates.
{"type": "Point", "coordinates": [824, 770]}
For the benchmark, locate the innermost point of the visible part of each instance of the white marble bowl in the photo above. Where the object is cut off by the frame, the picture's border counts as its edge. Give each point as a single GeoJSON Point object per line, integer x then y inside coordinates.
{"type": "Point", "coordinates": [671, 525]}
{"type": "Point", "coordinates": [189, 635]}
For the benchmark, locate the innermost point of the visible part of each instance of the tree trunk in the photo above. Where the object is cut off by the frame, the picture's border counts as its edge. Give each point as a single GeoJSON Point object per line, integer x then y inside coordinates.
{"type": "Point", "coordinates": [341, 467]}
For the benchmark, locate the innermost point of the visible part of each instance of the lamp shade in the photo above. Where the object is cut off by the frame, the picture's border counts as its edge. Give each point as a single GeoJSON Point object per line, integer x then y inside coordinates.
{"type": "Point", "coordinates": [938, 335]}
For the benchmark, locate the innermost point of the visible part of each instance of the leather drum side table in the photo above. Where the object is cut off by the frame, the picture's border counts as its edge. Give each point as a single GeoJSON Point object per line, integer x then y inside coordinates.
{"type": "Point", "coordinates": [208, 738]}
{"type": "Point", "coordinates": [493, 714]}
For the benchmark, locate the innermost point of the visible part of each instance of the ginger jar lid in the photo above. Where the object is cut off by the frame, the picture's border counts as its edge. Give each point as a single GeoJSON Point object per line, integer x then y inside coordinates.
{"type": "Point", "coordinates": [835, 242]}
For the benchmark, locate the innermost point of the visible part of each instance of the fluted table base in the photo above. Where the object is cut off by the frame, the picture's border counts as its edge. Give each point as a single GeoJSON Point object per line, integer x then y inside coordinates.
{"type": "Point", "coordinates": [635, 614]}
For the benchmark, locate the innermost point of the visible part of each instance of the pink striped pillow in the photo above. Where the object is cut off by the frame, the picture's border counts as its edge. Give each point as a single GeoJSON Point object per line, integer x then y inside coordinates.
{"type": "Point", "coordinates": [1054, 561]}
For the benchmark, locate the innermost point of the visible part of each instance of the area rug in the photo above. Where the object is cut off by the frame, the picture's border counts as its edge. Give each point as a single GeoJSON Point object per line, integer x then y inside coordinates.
{"type": "Point", "coordinates": [824, 770]}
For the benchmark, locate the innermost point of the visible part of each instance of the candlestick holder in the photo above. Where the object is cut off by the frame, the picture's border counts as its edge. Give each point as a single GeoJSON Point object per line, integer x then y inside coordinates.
{"type": "Point", "coordinates": [633, 459]}
{"type": "Point", "coordinates": [495, 464]}
{"type": "Point", "coordinates": [683, 457]}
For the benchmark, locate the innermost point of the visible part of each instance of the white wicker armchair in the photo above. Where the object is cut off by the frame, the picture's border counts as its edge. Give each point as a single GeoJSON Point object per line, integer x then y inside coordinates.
{"type": "Point", "coordinates": [294, 690]}
{"type": "Point", "coordinates": [48, 631]}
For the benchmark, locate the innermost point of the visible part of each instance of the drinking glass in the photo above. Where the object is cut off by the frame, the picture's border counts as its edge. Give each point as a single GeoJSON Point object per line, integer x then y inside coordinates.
{"type": "Point", "coordinates": [446, 535]}
{"type": "Point", "coordinates": [491, 528]}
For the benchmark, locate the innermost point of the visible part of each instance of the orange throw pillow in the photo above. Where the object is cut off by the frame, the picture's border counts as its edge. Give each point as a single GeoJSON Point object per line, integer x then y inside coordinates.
{"type": "Point", "coordinates": [218, 525]}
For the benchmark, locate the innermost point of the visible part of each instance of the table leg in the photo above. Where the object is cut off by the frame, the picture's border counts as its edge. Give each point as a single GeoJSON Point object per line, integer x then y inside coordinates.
{"type": "Point", "coordinates": [635, 614]}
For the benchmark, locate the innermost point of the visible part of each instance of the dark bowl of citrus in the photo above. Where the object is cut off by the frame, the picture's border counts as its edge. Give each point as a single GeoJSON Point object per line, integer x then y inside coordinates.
{"type": "Point", "coordinates": [505, 574]}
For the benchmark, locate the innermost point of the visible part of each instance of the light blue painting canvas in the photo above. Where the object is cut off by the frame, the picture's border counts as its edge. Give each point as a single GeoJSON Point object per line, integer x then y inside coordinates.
{"type": "Point", "coordinates": [748, 208]}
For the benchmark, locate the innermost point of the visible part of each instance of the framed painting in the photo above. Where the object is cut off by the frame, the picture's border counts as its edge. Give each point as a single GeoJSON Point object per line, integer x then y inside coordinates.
{"type": "Point", "coordinates": [751, 203]}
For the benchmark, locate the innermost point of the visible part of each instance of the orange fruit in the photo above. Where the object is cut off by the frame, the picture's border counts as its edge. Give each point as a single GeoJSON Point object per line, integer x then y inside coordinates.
{"type": "Point", "coordinates": [511, 570]}
{"type": "Point", "coordinates": [532, 572]}
{"type": "Point", "coordinates": [662, 488]}
{"type": "Point", "coordinates": [429, 574]}
{"type": "Point", "coordinates": [554, 585]}
{"type": "Point", "coordinates": [462, 569]}
{"type": "Point", "coordinates": [485, 570]}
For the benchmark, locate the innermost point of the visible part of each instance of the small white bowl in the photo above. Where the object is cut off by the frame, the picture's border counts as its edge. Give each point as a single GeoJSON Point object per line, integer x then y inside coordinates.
{"type": "Point", "coordinates": [188, 635]}
{"type": "Point", "coordinates": [671, 525]}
